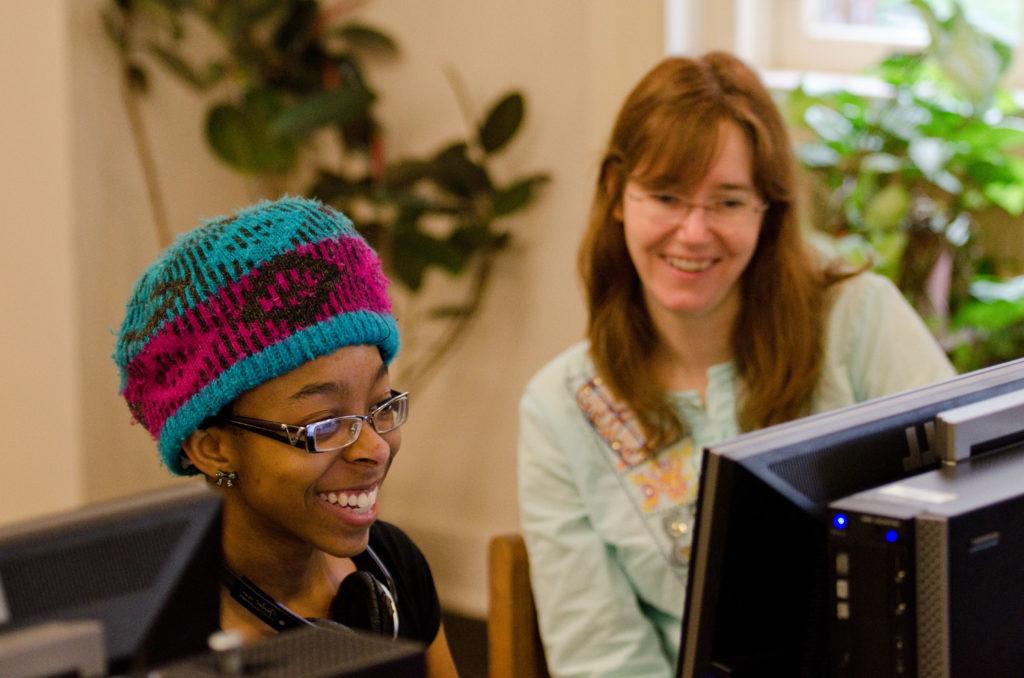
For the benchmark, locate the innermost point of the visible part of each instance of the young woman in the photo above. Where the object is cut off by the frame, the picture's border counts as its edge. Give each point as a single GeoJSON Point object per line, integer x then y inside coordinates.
{"type": "Point", "coordinates": [708, 316]}
{"type": "Point", "coordinates": [256, 350]}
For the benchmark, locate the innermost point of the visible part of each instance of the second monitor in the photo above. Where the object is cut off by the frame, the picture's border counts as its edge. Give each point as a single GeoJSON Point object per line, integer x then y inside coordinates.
{"type": "Point", "coordinates": [758, 594]}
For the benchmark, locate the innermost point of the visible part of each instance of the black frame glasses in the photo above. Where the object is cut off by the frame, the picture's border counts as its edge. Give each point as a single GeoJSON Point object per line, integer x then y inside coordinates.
{"type": "Point", "coordinates": [308, 437]}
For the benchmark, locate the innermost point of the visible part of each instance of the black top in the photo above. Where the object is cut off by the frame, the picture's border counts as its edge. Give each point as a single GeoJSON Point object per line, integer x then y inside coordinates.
{"type": "Point", "coordinates": [419, 611]}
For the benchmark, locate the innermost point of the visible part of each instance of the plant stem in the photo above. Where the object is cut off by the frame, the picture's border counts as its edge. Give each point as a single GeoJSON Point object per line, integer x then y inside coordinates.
{"type": "Point", "coordinates": [421, 371]}
{"type": "Point", "coordinates": [423, 368]}
{"type": "Point", "coordinates": [461, 99]}
{"type": "Point", "coordinates": [145, 154]}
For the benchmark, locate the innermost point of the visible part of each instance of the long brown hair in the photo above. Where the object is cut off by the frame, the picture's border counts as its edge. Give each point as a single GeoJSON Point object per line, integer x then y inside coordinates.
{"type": "Point", "coordinates": [667, 134]}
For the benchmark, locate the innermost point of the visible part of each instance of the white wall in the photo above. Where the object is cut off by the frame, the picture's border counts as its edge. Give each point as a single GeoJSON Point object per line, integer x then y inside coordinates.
{"type": "Point", "coordinates": [40, 416]}
{"type": "Point", "coordinates": [453, 485]}
{"type": "Point", "coordinates": [115, 235]}
{"type": "Point", "coordinates": [83, 221]}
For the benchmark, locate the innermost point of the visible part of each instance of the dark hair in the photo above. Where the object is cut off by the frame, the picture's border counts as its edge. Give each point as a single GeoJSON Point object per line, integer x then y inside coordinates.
{"type": "Point", "coordinates": [667, 134]}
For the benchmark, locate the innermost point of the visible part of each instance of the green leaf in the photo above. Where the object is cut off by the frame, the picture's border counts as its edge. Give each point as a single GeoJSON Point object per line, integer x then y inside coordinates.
{"type": "Point", "coordinates": [413, 252]}
{"type": "Point", "coordinates": [405, 263]}
{"type": "Point", "coordinates": [1010, 197]}
{"type": "Point", "coordinates": [408, 269]}
{"type": "Point", "coordinates": [177, 65]}
{"type": "Point", "coordinates": [817, 155]}
{"type": "Point", "coordinates": [971, 60]}
{"type": "Point", "coordinates": [993, 290]}
{"type": "Point", "coordinates": [888, 208]}
{"type": "Point", "coordinates": [501, 123]}
{"type": "Point", "coordinates": [405, 173]}
{"type": "Point", "coordinates": [929, 155]}
{"type": "Point", "coordinates": [904, 121]}
{"type": "Point", "coordinates": [471, 238]}
{"type": "Point", "coordinates": [329, 186]}
{"type": "Point", "coordinates": [322, 108]}
{"type": "Point", "coordinates": [516, 196]}
{"type": "Point", "coordinates": [827, 123]}
{"type": "Point", "coordinates": [241, 135]}
{"type": "Point", "coordinates": [900, 69]}
{"type": "Point", "coordinates": [991, 315]}
{"type": "Point", "coordinates": [455, 172]}
{"type": "Point", "coordinates": [164, 13]}
{"type": "Point", "coordinates": [889, 247]}
{"type": "Point", "coordinates": [436, 252]}
{"type": "Point", "coordinates": [298, 28]}
{"type": "Point", "coordinates": [979, 135]}
{"type": "Point", "coordinates": [362, 36]}
{"type": "Point", "coordinates": [230, 135]}
{"type": "Point", "coordinates": [881, 163]}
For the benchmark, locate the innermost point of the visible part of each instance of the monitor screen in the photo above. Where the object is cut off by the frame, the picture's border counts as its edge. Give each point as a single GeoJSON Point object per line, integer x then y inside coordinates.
{"type": "Point", "coordinates": [145, 567]}
{"type": "Point", "coordinates": [757, 597]}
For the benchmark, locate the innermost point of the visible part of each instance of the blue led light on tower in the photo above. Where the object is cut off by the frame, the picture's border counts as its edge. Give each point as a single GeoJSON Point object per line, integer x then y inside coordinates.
{"type": "Point", "coordinates": [891, 536]}
{"type": "Point", "coordinates": [839, 521]}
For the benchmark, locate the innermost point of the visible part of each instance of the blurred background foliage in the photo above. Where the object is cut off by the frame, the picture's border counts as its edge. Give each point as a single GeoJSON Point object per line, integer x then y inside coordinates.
{"type": "Point", "coordinates": [920, 180]}
{"type": "Point", "coordinates": [287, 80]}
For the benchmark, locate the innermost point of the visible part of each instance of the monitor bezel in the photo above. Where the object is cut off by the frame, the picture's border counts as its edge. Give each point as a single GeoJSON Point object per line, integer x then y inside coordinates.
{"type": "Point", "coordinates": [178, 607]}
{"type": "Point", "coordinates": [910, 412]}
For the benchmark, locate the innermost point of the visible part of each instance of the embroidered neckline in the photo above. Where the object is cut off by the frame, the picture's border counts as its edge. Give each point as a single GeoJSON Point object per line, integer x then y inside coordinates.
{"type": "Point", "coordinates": [614, 421]}
{"type": "Point", "coordinates": [650, 481]}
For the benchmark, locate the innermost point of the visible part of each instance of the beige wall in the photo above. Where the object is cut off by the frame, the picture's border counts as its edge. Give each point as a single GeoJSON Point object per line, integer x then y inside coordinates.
{"type": "Point", "coordinates": [115, 236]}
{"type": "Point", "coordinates": [454, 482]}
{"type": "Point", "coordinates": [83, 215]}
{"type": "Point", "coordinates": [40, 414]}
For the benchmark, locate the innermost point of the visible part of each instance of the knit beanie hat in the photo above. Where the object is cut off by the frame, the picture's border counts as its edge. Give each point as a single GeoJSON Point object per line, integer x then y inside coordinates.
{"type": "Point", "coordinates": [241, 300]}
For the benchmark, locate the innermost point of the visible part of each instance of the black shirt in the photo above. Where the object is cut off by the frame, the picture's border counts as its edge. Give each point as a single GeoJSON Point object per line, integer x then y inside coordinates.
{"type": "Point", "coordinates": [419, 611]}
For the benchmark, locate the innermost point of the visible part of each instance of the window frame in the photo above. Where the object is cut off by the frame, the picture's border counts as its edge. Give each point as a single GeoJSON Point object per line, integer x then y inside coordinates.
{"type": "Point", "coordinates": [775, 35]}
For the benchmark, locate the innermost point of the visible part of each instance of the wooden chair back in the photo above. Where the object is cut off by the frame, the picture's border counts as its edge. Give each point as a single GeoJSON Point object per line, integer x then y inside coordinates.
{"type": "Point", "coordinates": [514, 647]}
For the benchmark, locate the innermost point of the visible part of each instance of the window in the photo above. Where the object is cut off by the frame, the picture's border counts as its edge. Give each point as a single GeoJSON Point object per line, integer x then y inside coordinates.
{"type": "Point", "coordinates": [896, 21]}
{"type": "Point", "coordinates": [825, 36]}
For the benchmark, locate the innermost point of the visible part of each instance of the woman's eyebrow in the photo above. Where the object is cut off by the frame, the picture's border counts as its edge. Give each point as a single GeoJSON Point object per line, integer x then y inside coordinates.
{"type": "Point", "coordinates": [746, 188]}
{"type": "Point", "coordinates": [327, 388]}
{"type": "Point", "coordinates": [331, 388]}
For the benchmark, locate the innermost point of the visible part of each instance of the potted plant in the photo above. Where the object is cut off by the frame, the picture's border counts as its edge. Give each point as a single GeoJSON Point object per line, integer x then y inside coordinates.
{"type": "Point", "coordinates": [288, 72]}
{"type": "Point", "coordinates": [916, 180]}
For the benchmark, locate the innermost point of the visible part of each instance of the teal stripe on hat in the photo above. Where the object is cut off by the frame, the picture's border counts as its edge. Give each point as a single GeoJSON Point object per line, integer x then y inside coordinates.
{"type": "Point", "coordinates": [350, 329]}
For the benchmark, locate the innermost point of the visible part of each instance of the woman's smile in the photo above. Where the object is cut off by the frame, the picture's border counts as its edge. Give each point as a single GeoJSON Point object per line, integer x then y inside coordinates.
{"type": "Point", "coordinates": [688, 264]}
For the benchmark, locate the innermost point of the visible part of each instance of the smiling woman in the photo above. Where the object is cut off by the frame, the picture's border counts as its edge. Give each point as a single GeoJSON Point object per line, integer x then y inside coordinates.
{"type": "Point", "coordinates": [708, 317]}
{"type": "Point", "coordinates": [256, 351]}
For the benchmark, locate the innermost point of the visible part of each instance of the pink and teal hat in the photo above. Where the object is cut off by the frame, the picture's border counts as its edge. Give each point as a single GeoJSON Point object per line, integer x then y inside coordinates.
{"type": "Point", "coordinates": [241, 300]}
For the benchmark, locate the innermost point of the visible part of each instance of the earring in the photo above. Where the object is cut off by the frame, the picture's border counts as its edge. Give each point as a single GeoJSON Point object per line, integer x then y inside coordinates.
{"type": "Point", "coordinates": [227, 478]}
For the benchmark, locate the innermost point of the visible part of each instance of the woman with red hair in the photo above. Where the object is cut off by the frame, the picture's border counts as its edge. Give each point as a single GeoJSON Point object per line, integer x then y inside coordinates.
{"type": "Point", "coordinates": [708, 316]}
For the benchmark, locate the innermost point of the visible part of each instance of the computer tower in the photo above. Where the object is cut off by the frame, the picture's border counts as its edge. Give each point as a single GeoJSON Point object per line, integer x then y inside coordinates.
{"type": "Point", "coordinates": [927, 573]}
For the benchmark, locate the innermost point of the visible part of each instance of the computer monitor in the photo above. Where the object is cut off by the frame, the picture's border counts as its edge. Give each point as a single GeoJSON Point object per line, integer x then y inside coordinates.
{"type": "Point", "coordinates": [145, 567]}
{"type": "Point", "coordinates": [757, 596]}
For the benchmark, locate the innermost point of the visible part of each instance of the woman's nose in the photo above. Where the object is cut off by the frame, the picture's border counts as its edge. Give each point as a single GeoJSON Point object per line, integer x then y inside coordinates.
{"type": "Point", "coordinates": [691, 223]}
{"type": "Point", "coordinates": [369, 448]}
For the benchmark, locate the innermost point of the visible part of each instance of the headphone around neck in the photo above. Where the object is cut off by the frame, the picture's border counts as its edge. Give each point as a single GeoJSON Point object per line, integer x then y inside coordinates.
{"type": "Point", "coordinates": [362, 602]}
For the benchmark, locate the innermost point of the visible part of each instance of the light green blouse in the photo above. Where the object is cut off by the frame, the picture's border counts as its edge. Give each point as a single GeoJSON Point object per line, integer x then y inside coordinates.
{"type": "Point", "coordinates": [608, 529]}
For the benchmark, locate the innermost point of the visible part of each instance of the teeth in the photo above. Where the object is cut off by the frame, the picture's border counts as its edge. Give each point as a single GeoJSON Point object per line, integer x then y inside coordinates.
{"type": "Point", "coordinates": [360, 501]}
{"type": "Point", "coordinates": [689, 265]}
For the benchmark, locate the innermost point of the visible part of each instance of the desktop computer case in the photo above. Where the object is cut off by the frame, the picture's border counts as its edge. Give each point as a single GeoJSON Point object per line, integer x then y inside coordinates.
{"type": "Point", "coordinates": [927, 574]}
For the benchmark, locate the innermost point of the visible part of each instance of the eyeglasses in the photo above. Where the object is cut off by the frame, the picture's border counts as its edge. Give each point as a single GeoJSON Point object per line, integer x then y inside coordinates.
{"type": "Point", "coordinates": [733, 210]}
{"type": "Point", "coordinates": [331, 434]}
